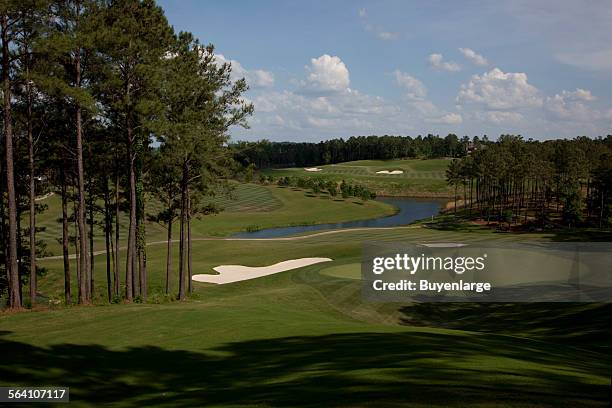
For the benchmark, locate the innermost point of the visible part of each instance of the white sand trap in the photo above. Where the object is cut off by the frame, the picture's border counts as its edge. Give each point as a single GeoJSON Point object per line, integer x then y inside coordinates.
{"type": "Point", "coordinates": [312, 169]}
{"type": "Point", "coordinates": [236, 273]}
{"type": "Point", "coordinates": [390, 172]}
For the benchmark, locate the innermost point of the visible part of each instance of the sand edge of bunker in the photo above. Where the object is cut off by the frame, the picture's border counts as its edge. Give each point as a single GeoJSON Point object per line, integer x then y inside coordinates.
{"type": "Point", "coordinates": [237, 273]}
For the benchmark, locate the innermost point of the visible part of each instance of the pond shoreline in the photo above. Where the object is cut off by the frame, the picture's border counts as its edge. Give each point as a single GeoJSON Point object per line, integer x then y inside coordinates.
{"type": "Point", "coordinates": [407, 211]}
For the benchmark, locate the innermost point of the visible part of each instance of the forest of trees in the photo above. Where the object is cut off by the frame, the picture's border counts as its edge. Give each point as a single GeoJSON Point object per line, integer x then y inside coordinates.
{"type": "Point", "coordinates": [265, 154]}
{"type": "Point", "coordinates": [566, 182]}
{"type": "Point", "coordinates": [106, 106]}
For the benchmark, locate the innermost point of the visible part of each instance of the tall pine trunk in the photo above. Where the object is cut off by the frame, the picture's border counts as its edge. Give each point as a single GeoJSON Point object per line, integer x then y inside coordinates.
{"type": "Point", "coordinates": [76, 242]}
{"type": "Point", "coordinates": [11, 256]}
{"type": "Point", "coordinates": [189, 259]}
{"type": "Point", "coordinates": [91, 242]}
{"type": "Point", "coordinates": [169, 249]}
{"type": "Point", "coordinates": [131, 249]}
{"type": "Point", "coordinates": [116, 258]}
{"type": "Point", "coordinates": [84, 281]}
{"type": "Point", "coordinates": [65, 236]}
{"type": "Point", "coordinates": [182, 233]}
{"type": "Point", "coordinates": [108, 230]}
{"type": "Point", "coordinates": [32, 199]}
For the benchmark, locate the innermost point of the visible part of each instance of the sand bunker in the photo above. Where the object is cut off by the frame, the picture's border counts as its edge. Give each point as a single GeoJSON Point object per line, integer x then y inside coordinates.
{"type": "Point", "coordinates": [236, 273]}
{"type": "Point", "coordinates": [312, 169]}
{"type": "Point", "coordinates": [390, 172]}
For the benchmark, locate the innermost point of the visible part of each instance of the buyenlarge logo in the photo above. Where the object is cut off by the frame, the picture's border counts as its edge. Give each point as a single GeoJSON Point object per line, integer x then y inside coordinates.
{"type": "Point", "coordinates": [412, 264]}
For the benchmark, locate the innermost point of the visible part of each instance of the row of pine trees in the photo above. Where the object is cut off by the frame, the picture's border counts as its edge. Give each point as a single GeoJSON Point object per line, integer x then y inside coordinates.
{"type": "Point", "coordinates": [104, 104]}
{"type": "Point", "coordinates": [265, 153]}
{"type": "Point", "coordinates": [567, 182]}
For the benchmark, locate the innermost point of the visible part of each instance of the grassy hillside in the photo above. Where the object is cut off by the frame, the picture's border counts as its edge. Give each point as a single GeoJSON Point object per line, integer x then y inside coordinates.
{"type": "Point", "coordinates": [420, 178]}
{"type": "Point", "coordinates": [304, 337]}
{"type": "Point", "coordinates": [249, 206]}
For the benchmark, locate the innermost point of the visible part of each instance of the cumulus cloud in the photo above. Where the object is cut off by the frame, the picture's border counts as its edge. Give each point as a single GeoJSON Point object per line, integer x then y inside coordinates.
{"type": "Point", "coordinates": [363, 12]}
{"type": "Point", "coordinates": [570, 105]}
{"type": "Point", "coordinates": [449, 119]}
{"type": "Point", "coordinates": [257, 78]}
{"type": "Point", "coordinates": [498, 117]}
{"type": "Point", "coordinates": [436, 61]}
{"type": "Point", "coordinates": [473, 57]}
{"type": "Point", "coordinates": [498, 90]}
{"type": "Point", "coordinates": [327, 74]}
{"type": "Point", "coordinates": [414, 88]}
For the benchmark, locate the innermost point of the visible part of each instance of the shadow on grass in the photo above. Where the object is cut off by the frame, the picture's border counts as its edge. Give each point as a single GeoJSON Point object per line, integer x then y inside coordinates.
{"type": "Point", "coordinates": [580, 324]}
{"type": "Point", "coordinates": [585, 235]}
{"type": "Point", "coordinates": [355, 369]}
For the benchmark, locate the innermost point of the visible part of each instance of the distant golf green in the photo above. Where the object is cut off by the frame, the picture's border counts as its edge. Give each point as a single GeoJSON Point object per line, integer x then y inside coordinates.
{"type": "Point", "coordinates": [418, 178]}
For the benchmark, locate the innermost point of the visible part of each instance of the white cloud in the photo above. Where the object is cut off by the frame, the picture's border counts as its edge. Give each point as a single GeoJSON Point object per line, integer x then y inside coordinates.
{"type": "Point", "coordinates": [363, 12]}
{"type": "Point", "coordinates": [498, 117]}
{"type": "Point", "coordinates": [570, 105]}
{"type": "Point", "coordinates": [414, 88]}
{"type": "Point", "coordinates": [261, 78]}
{"type": "Point", "coordinates": [437, 61]}
{"type": "Point", "coordinates": [473, 57]}
{"type": "Point", "coordinates": [449, 119]}
{"type": "Point", "coordinates": [255, 78]}
{"type": "Point", "coordinates": [327, 74]}
{"type": "Point", "coordinates": [500, 91]}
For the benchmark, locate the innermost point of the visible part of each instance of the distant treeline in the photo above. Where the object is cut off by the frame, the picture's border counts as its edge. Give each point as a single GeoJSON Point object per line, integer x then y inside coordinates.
{"type": "Point", "coordinates": [264, 153]}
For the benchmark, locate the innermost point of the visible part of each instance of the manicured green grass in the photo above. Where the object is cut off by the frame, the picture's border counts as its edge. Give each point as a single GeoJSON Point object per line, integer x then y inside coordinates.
{"type": "Point", "coordinates": [421, 178]}
{"type": "Point", "coordinates": [303, 338]}
{"type": "Point", "coordinates": [250, 205]}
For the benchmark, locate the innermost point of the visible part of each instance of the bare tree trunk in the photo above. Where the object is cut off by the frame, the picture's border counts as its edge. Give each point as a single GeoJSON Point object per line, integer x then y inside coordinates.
{"type": "Point", "coordinates": [189, 263]}
{"type": "Point", "coordinates": [19, 250]}
{"type": "Point", "coordinates": [131, 249]}
{"type": "Point", "coordinates": [11, 256]}
{"type": "Point", "coordinates": [169, 253]}
{"type": "Point", "coordinates": [108, 230]}
{"type": "Point", "coordinates": [182, 235]}
{"type": "Point", "coordinates": [116, 258]}
{"type": "Point", "coordinates": [91, 243]}
{"type": "Point", "coordinates": [76, 243]}
{"type": "Point", "coordinates": [65, 233]}
{"type": "Point", "coordinates": [32, 199]}
{"type": "Point", "coordinates": [84, 293]}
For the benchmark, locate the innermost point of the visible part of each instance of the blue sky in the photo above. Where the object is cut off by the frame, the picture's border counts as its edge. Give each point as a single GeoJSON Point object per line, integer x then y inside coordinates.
{"type": "Point", "coordinates": [323, 69]}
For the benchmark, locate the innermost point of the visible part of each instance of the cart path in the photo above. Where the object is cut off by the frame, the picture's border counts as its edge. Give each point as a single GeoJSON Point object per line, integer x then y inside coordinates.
{"type": "Point", "coordinates": [295, 238]}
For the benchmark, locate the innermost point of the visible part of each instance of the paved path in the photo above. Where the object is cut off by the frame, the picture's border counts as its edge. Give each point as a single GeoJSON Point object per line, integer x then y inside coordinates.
{"type": "Point", "coordinates": [293, 238]}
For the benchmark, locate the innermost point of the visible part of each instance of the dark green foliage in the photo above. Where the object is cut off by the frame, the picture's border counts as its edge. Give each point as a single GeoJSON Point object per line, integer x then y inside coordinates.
{"type": "Point", "coordinates": [266, 154]}
{"type": "Point", "coordinates": [567, 182]}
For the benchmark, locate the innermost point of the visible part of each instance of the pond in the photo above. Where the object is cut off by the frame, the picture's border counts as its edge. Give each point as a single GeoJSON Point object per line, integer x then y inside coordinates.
{"type": "Point", "coordinates": [409, 210]}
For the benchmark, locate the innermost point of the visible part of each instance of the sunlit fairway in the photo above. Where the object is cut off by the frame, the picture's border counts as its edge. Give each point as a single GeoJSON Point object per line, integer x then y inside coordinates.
{"type": "Point", "coordinates": [303, 337]}
{"type": "Point", "coordinates": [298, 337]}
{"type": "Point", "coordinates": [420, 178]}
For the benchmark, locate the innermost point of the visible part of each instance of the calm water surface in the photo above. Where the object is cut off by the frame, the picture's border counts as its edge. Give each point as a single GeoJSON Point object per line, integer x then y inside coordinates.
{"type": "Point", "coordinates": [410, 210]}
